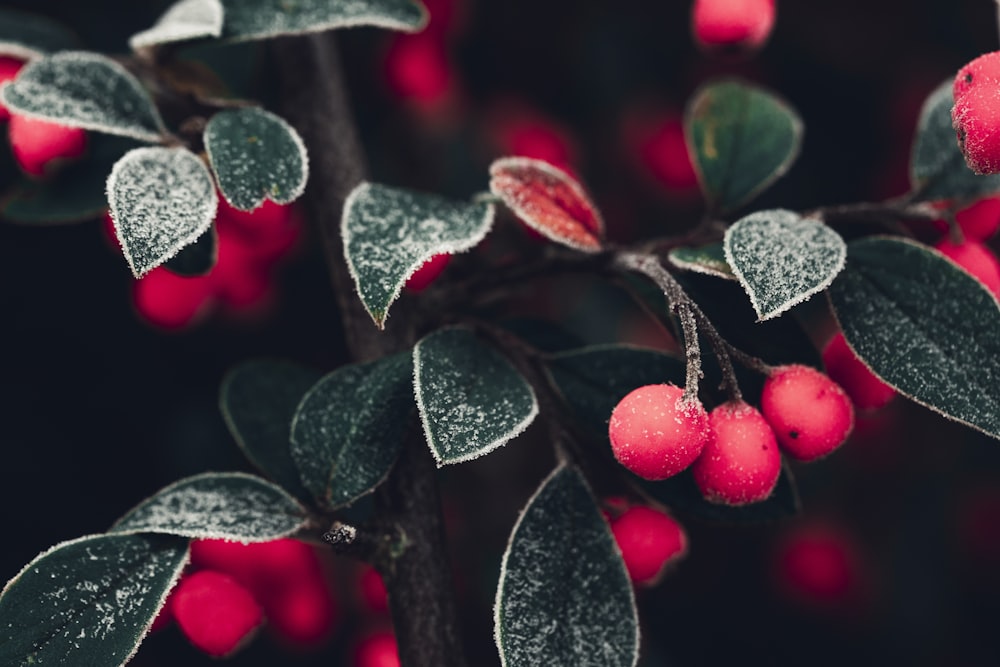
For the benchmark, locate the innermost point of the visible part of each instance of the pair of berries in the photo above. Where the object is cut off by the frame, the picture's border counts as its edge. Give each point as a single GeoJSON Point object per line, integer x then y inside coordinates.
{"type": "Point", "coordinates": [977, 223]}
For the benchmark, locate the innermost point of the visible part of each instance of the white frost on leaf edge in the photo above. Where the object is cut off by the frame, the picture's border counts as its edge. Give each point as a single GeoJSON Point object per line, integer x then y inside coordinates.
{"type": "Point", "coordinates": [19, 50]}
{"type": "Point", "coordinates": [517, 430]}
{"type": "Point", "coordinates": [703, 269]}
{"type": "Point", "coordinates": [184, 20]}
{"type": "Point", "coordinates": [369, 21]}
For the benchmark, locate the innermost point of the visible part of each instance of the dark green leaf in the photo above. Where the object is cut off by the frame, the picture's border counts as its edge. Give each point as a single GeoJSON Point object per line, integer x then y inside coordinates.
{"type": "Point", "coordinates": [27, 36]}
{"type": "Point", "coordinates": [708, 259]}
{"type": "Point", "coordinates": [564, 596]}
{"type": "Point", "coordinates": [741, 138]}
{"type": "Point", "coordinates": [88, 601]}
{"type": "Point", "coordinates": [232, 506]}
{"type": "Point", "coordinates": [782, 259]}
{"type": "Point", "coordinates": [184, 20]}
{"type": "Point", "coordinates": [261, 19]}
{"type": "Point", "coordinates": [258, 400]}
{"type": "Point", "coordinates": [925, 326]}
{"type": "Point", "coordinates": [198, 258]}
{"type": "Point", "coordinates": [256, 156]}
{"type": "Point", "coordinates": [471, 399]}
{"type": "Point", "coordinates": [348, 429]}
{"type": "Point", "coordinates": [389, 233]}
{"type": "Point", "coordinates": [82, 89]}
{"type": "Point", "coordinates": [937, 166]}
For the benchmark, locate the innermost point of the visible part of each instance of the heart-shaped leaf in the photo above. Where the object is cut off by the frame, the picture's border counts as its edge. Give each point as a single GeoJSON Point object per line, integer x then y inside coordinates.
{"type": "Point", "coordinates": [162, 199]}
{"type": "Point", "coordinates": [184, 20]}
{"type": "Point", "coordinates": [564, 597]}
{"type": "Point", "coordinates": [925, 326]}
{"type": "Point", "coordinates": [262, 19]}
{"type": "Point", "coordinates": [782, 259]}
{"type": "Point", "coordinates": [389, 233]}
{"type": "Point", "coordinates": [741, 139]}
{"type": "Point", "coordinates": [26, 36]}
{"type": "Point", "coordinates": [708, 259]}
{"type": "Point", "coordinates": [471, 399]}
{"type": "Point", "coordinates": [349, 427]}
{"type": "Point", "coordinates": [549, 200]}
{"type": "Point", "coordinates": [88, 601]}
{"type": "Point", "coordinates": [82, 89]}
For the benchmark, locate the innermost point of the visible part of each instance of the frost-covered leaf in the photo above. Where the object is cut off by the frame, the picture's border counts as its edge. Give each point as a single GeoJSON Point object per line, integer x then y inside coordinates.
{"type": "Point", "coordinates": [261, 19]}
{"type": "Point", "coordinates": [184, 20]}
{"type": "Point", "coordinates": [89, 601]}
{"type": "Point", "coordinates": [564, 597]}
{"type": "Point", "coordinates": [741, 138]}
{"type": "Point", "coordinates": [549, 201]}
{"type": "Point", "coordinates": [925, 326]}
{"type": "Point", "coordinates": [256, 156]}
{"type": "Point", "coordinates": [161, 199]}
{"type": "Point", "coordinates": [232, 506]}
{"type": "Point", "coordinates": [708, 259]}
{"type": "Point", "coordinates": [348, 429]}
{"type": "Point", "coordinates": [198, 258]}
{"type": "Point", "coordinates": [258, 400]}
{"type": "Point", "coordinates": [937, 167]}
{"type": "Point", "coordinates": [782, 259]}
{"type": "Point", "coordinates": [471, 399]}
{"type": "Point", "coordinates": [26, 36]}
{"type": "Point", "coordinates": [82, 89]}
{"type": "Point", "coordinates": [389, 233]}
{"type": "Point", "coordinates": [592, 380]}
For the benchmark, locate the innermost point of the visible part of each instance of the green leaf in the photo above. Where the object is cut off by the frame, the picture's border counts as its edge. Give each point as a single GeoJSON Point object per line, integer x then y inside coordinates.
{"type": "Point", "coordinates": [782, 259]}
{"type": "Point", "coordinates": [925, 326]}
{"type": "Point", "coordinates": [256, 156]}
{"type": "Point", "coordinates": [162, 199]}
{"type": "Point", "coordinates": [471, 399]}
{"type": "Point", "coordinates": [592, 380]}
{"type": "Point", "coordinates": [348, 429]}
{"type": "Point", "coordinates": [708, 259]}
{"type": "Point", "coordinates": [82, 89]}
{"type": "Point", "coordinates": [232, 506]}
{"type": "Point", "coordinates": [198, 258]}
{"type": "Point", "coordinates": [564, 596]}
{"type": "Point", "coordinates": [262, 19]}
{"type": "Point", "coordinates": [184, 20]}
{"type": "Point", "coordinates": [742, 138]}
{"type": "Point", "coordinates": [26, 36]}
{"type": "Point", "coordinates": [89, 601]}
{"type": "Point", "coordinates": [937, 166]}
{"type": "Point", "coordinates": [389, 233]}
{"type": "Point", "coordinates": [258, 400]}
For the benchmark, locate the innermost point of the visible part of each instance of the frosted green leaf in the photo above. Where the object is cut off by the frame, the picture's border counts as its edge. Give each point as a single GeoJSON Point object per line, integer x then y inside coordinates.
{"type": "Point", "coordinates": [184, 20]}
{"type": "Point", "coordinates": [161, 199]}
{"type": "Point", "coordinates": [81, 89]}
{"type": "Point", "coordinates": [782, 259]}
{"type": "Point", "coordinates": [348, 429]}
{"type": "Point", "coordinates": [471, 399]}
{"type": "Point", "coordinates": [256, 156]}
{"type": "Point", "coordinates": [708, 259]}
{"type": "Point", "coordinates": [26, 36]}
{"type": "Point", "coordinates": [262, 19]}
{"type": "Point", "coordinates": [937, 167]}
{"type": "Point", "coordinates": [564, 597]}
{"type": "Point", "coordinates": [232, 506]}
{"type": "Point", "coordinates": [88, 601]}
{"type": "Point", "coordinates": [258, 400]}
{"type": "Point", "coordinates": [924, 326]}
{"type": "Point", "coordinates": [389, 233]}
{"type": "Point", "coordinates": [741, 138]}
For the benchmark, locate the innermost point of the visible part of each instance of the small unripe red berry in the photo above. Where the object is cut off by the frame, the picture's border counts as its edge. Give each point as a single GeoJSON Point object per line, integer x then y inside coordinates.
{"type": "Point", "coordinates": [984, 70]}
{"type": "Point", "coordinates": [9, 67]}
{"type": "Point", "coordinates": [745, 24]}
{"type": "Point", "coordinates": [810, 414]}
{"type": "Point", "coordinates": [215, 612]}
{"type": "Point", "coordinates": [976, 119]}
{"type": "Point", "coordinates": [428, 272]}
{"type": "Point", "coordinates": [656, 433]}
{"type": "Point", "coordinates": [975, 258]}
{"type": "Point", "coordinates": [36, 143]}
{"type": "Point", "coordinates": [867, 391]}
{"type": "Point", "coordinates": [741, 462]}
{"type": "Point", "coordinates": [649, 540]}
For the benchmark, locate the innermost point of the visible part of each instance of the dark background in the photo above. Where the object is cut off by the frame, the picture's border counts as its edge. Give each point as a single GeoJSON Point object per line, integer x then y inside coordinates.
{"type": "Point", "coordinates": [98, 409]}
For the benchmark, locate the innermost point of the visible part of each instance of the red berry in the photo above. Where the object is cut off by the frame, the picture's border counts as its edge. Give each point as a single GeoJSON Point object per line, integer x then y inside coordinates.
{"type": "Point", "coordinates": [741, 462]}
{"type": "Point", "coordinates": [818, 564]}
{"type": "Point", "coordinates": [301, 611]}
{"type": "Point", "coordinates": [417, 67]}
{"type": "Point", "coordinates": [428, 272]}
{"type": "Point", "coordinates": [170, 301]}
{"type": "Point", "coordinates": [983, 71]}
{"type": "Point", "coordinates": [665, 153]}
{"type": "Point", "coordinates": [976, 119]}
{"type": "Point", "coordinates": [649, 540]}
{"type": "Point", "coordinates": [975, 258]}
{"type": "Point", "coordinates": [810, 414]}
{"type": "Point", "coordinates": [377, 650]}
{"type": "Point", "coordinates": [215, 612]}
{"type": "Point", "coordinates": [867, 390]}
{"type": "Point", "coordinates": [732, 23]}
{"type": "Point", "coordinates": [656, 433]}
{"type": "Point", "coordinates": [9, 67]}
{"type": "Point", "coordinates": [372, 590]}
{"type": "Point", "coordinates": [36, 143]}
{"type": "Point", "coordinates": [980, 220]}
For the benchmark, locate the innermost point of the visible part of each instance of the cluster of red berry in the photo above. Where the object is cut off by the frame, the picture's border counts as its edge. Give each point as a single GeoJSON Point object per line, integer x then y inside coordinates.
{"type": "Point", "coordinates": [977, 223]}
